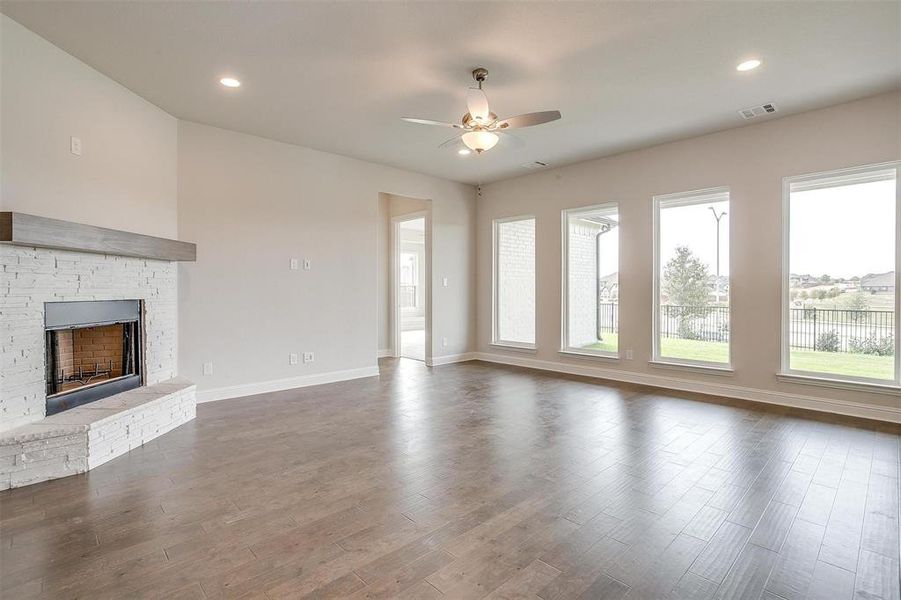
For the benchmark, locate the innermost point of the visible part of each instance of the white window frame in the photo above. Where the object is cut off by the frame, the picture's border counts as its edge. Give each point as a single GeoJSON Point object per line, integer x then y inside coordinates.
{"type": "Point", "coordinates": [687, 199]}
{"type": "Point", "coordinates": [826, 179]}
{"type": "Point", "coordinates": [565, 215]}
{"type": "Point", "coordinates": [495, 338]}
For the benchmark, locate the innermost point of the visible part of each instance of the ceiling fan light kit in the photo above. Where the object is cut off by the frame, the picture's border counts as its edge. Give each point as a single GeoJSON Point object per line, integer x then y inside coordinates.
{"type": "Point", "coordinates": [480, 125]}
{"type": "Point", "coordinates": [480, 140]}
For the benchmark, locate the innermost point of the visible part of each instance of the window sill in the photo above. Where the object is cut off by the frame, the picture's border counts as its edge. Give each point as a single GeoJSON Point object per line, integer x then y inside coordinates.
{"type": "Point", "coordinates": [589, 355]}
{"type": "Point", "coordinates": [527, 348]}
{"type": "Point", "coordinates": [842, 384]}
{"type": "Point", "coordinates": [699, 368]}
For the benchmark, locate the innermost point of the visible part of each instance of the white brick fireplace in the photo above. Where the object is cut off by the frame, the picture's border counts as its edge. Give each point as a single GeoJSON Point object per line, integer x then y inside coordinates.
{"type": "Point", "coordinates": [34, 447]}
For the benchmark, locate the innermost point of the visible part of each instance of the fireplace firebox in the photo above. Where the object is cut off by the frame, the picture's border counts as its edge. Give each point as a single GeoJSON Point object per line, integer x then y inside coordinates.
{"type": "Point", "coordinates": [93, 350]}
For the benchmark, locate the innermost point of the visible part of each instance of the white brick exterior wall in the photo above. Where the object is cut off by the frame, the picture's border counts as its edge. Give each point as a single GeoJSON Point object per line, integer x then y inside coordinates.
{"type": "Point", "coordinates": [516, 281]}
{"type": "Point", "coordinates": [582, 270]}
{"type": "Point", "coordinates": [29, 277]}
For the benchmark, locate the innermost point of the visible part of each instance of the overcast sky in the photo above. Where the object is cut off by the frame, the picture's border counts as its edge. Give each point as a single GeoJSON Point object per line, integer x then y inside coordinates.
{"type": "Point", "coordinates": [695, 226]}
{"type": "Point", "coordinates": [844, 231]}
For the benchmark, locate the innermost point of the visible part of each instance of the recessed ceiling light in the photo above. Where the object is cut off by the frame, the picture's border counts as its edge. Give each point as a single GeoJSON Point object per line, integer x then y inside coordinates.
{"type": "Point", "coordinates": [464, 151]}
{"type": "Point", "coordinates": [748, 65]}
{"type": "Point", "coordinates": [230, 82]}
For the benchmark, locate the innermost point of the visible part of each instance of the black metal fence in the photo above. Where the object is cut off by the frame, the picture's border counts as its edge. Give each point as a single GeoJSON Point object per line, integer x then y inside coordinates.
{"type": "Point", "coordinates": [707, 323]}
{"type": "Point", "coordinates": [806, 325]}
{"type": "Point", "coordinates": [608, 318]}
{"type": "Point", "coordinates": [812, 328]}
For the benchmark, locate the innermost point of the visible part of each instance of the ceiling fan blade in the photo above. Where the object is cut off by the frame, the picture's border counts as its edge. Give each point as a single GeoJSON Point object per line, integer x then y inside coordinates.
{"type": "Point", "coordinates": [477, 104]}
{"type": "Point", "coordinates": [529, 119]}
{"type": "Point", "coordinates": [430, 122]}
{"type": "Point", "coordinates": [451, 142]}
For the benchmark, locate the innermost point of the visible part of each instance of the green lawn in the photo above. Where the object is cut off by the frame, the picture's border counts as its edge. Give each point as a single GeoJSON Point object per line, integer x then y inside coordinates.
{"type": "Point", "coordinates": [834, 363]}
{"type": "Point", "coordinates": [609, 343]}
{"type": "Point", "coordinates": [844, 363]}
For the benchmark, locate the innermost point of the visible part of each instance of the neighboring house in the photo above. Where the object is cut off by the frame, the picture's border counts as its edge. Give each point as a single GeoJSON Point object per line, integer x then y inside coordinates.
{"type": "Point", "coordinates": [805, 280]}
{"type": "Point", "coordinates": [878, 283]}
{"type": "Point", "coordinates": [608, 287]}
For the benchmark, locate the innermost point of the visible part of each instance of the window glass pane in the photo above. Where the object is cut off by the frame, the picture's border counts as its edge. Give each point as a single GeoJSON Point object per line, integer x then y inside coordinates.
{"type": "Point", "coordinates": [693, 294]}
{"type": "Point", "coordinates": [592, 285]}
{"type": "Point", "coordinates": [409, 276]}
{"type": "Point", "coordinates": [841, 280]}
{"type": "Point", "coordinates": [515, 285]}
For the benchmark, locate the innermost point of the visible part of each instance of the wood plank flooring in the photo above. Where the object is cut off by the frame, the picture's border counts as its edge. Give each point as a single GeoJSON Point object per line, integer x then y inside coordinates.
{"type": "Point", "coordinates": [472, 481]}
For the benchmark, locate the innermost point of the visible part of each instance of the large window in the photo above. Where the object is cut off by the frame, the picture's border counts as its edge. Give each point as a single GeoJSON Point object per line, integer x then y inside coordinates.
{"type": "Point", "coordinates": [839, 275]}
{"type": "Point", "coordinates": [514, 282]}
{"type": "Point", "coordinates": [691, 284]}
{"type": "Point", "coordinates": [591, 280]}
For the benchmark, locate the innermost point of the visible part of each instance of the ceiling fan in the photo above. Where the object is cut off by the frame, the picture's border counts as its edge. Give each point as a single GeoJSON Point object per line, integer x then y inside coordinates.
{"type": "Point", "coordinates": [481, 126]}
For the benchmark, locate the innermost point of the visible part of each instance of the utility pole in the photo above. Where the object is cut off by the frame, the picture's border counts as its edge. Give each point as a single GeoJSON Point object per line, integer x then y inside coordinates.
{"type": "Point", "coordinates": [717, 217]}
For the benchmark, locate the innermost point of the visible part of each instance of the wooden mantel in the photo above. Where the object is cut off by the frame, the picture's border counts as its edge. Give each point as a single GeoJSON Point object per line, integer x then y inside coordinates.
{"type": "Point", "coordinates": [20, 229]}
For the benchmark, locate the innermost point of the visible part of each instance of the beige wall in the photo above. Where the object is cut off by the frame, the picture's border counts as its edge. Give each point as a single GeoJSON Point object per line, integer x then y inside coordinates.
{"type": "Point", "coordinates": [126, 175]}
{"type": "Point", "coordinates": [750, 160]}
{"type": "Point", "coordinates": [251, 204]}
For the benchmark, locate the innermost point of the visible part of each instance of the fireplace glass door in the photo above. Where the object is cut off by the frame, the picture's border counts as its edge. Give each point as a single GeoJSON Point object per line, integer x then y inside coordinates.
{"type": "Point", "coordinates": [91, 351]}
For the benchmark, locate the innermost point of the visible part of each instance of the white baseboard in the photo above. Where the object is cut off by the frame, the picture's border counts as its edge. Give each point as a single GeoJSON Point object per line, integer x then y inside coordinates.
{"type": "Point", "coordinates": [276, 385]}
{"type": "Point", "coordinates": [385, 353]}
{"type": "Point", "coordinates": [828, 405]}
{"type": "Point", "coordinates": [451, 358]}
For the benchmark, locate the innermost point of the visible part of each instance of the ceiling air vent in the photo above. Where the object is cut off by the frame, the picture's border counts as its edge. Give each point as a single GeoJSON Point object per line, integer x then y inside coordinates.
{"type": "Point", "coordinates": [757, 111]}
{"type": "Point", "coordinates": [534, 165]}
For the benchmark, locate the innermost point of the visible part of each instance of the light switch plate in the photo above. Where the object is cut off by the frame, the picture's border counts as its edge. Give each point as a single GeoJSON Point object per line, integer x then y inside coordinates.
{"type": "Point", "coordinates": [307, 357]}
{"type": "Point", "coordinates": [207, 368]}
{"type": "Point", "coordinates": [75, 146]}
{"type": "Point", "coordinates": [307, 264]}
{"type": "Point", "coordinates": [292, 359]}
{"type": "Point", "coordinates": [295, 264]}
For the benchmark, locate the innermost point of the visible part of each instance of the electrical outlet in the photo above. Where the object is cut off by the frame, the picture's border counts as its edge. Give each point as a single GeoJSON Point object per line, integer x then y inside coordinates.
{"type": "Point", "coordinates": [75, 146]}
{"type": "Point", "coordinates": [207, 368]}
{"type": "Point", "coordinates": [292, 359]}
{"type": "Point", "coordinates": [307, 264]}
{"type": "Point", "coordinates": [629, 354]}
{"type": "Point", "coordinates": [307, 357]}
{"type": "Point", "coordinates": [444, 342]}
{"type": "Point", "coordinates": [295, 264]}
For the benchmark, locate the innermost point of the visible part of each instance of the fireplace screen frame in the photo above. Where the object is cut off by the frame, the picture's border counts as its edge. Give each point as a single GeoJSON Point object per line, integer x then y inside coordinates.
{"type": "Point", "coordinates": [60, 316]}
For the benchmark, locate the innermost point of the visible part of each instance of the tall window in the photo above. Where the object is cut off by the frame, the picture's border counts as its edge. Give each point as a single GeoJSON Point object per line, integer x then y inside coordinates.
{"type": "Point", "coordinates": [691, 321]}
{"type": "Point", "coordinates": [514, 282]}
{"type": "Point", "coordinates": [591, 280]}
{"type": "Point", "coordinates": [409, 277]}
{"type": "Point", "coordinates": [841, 253]}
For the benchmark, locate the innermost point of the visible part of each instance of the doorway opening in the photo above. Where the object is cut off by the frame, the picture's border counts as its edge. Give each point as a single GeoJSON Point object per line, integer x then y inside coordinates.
{"type": "Point", "coordinates": [411, 277]}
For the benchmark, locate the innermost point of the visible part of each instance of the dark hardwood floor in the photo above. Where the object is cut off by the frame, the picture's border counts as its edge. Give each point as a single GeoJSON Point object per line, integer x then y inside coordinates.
{"type": "Point", "coordinates": [471, 481]}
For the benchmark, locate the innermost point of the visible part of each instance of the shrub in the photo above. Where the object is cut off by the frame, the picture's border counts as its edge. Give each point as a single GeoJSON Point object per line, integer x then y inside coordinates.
{"type": "Point", "coordinates": [884, 346]}
{"type": "Point", "coordinates": [686, 331]}
{"type": "Point", "coordinates": [828, 341]}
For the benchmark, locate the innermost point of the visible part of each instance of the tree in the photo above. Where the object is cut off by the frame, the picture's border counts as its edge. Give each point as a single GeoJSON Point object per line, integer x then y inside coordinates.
{"type": "Point", "coordinates": [685, 279]}
{"type": "Point", "coordinates": [854, 301]}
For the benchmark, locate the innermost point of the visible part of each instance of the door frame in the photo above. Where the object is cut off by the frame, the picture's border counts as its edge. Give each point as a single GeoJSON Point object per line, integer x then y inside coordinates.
{"type": "Point", "coordinates": [395, 324]}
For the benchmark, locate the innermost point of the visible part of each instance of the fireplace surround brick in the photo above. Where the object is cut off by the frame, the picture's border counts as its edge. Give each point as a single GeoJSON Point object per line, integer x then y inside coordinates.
{"type": "Point", "coordinates": [34, 448]}
{"type": "Point", "coordinates": [33, 276]}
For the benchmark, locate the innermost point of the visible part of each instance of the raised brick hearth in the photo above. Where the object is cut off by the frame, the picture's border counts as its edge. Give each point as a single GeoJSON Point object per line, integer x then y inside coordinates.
{"type": "Point", "coordinates": [87, 436]}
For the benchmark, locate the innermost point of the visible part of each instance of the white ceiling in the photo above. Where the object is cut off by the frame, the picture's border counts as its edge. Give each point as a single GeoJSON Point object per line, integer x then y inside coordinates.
{"type": "Point", "coordinates": [338, 76]}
